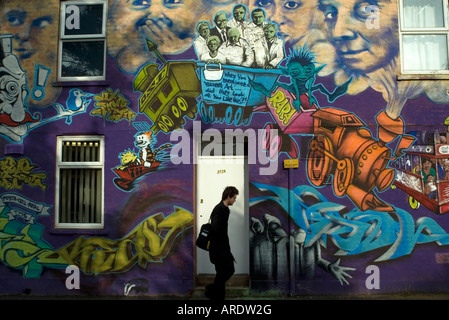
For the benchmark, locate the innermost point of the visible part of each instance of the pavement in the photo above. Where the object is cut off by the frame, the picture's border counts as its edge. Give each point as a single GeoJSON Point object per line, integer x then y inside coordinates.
{"type": "Point", "coordinates": [241, 294]}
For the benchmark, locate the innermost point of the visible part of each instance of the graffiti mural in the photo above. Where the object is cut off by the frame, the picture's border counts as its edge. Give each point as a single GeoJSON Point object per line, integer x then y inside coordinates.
{"type": "Point", "coordinates": [22, 245]}
{"type": "Point", "coordinates": [144, 244]}
{"type": "Point", "coordinates": [16, 173]}
{"type": "Point", "coordinates": [319, 218]}
{"type": "Point", "coordinates": [112, 106]}
{"type": "Point", "coordinates": [134, 165]}
{"type": "Point", "coordinates": [320, 80]}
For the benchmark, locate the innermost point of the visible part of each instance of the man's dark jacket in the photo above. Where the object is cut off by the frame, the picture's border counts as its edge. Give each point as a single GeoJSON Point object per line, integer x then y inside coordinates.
{"type": "Point", "coordinates": [219, 249]}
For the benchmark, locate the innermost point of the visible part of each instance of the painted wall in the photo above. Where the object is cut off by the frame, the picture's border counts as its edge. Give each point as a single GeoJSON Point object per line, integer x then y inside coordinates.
{"type": "Point", "coordinates": [348, 219]}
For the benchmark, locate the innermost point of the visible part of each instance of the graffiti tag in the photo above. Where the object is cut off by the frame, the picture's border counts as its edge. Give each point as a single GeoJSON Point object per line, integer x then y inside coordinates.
{"type": "Point", "coordinates": [112, 106]}
{"type": "Point", "coordinates": [151, 241]}
{"type": "Point", "coordinates": [14, 173]}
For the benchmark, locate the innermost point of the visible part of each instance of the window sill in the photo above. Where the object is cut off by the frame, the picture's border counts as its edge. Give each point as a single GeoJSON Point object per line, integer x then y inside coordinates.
{"type": "Point", "coordinates": [80, 83]}
{"type": "Point", "coordinates": [79, 231]}
{"type": "Point", "coordinates": [422, 77]}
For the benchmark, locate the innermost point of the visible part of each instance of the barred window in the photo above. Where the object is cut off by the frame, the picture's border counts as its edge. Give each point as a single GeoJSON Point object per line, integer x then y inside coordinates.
{"type": "Point", "coordinates": [79, 181]}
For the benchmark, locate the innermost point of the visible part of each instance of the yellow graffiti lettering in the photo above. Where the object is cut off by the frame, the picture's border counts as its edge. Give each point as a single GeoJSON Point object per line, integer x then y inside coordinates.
{"type": "Point", "coordinates": [282, 107]}
{"type": "Point", "coordinates": [151, 240]}
{"type": "Point", "coordinates": [13, 174]}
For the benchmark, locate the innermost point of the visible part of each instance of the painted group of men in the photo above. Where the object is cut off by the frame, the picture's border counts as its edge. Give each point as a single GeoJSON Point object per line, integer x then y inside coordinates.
{"type": "Point", "coordinates": [238, 41]}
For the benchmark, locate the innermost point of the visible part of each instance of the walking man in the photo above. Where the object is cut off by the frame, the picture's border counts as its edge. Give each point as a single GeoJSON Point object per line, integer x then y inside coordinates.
{"type": "Point", "coordinates": [220, 250]}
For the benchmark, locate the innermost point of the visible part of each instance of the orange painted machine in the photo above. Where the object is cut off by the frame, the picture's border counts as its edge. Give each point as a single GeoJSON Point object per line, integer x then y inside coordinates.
{"type": "Point", "coordinates": [342, 146]}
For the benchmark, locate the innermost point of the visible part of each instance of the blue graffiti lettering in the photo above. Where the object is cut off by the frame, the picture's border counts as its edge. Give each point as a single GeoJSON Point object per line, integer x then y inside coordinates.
{"type": "Point", "coordinates": [353, 231]}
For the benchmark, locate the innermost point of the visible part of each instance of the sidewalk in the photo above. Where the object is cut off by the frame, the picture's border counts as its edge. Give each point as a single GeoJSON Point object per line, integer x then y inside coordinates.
{"type": "Point", "coordinates": [237, 293]}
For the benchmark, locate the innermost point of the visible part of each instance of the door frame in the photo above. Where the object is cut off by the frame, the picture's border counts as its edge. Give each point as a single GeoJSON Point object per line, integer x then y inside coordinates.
{"type": "Point", "coordinates": [237, 280]}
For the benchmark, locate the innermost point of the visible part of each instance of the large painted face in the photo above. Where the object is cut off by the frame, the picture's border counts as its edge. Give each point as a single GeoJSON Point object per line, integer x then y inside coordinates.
{"type": "Point", "coordinates": [163, 22]}
{"type": "Point", "coordinates": [29, 27]}
{"type": "Point", "coordinates": [360, 45]}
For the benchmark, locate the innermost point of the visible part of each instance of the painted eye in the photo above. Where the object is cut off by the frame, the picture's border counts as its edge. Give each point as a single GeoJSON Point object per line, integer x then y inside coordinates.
{"type": "Point", "coordinates": [12, 88]}
{"type": "Point", "coordinates": [16, 18]}
{"type": "Point", "coordinates": [141, 4]}
{"type": "Point", "coordinates": [292, 5]}
{"type": "Point", "coordinates": [365, 10]}
{"type": "Point", "coordinates": [172, 2]}
{"type": "Point", "coordinates": [330, 15]}
{"type": "Point", "coordinates": [330, 12]}
{"type": "Point", "coordinates": [264, 3]}
{"type": "Point", "coordinates": [42, 22]}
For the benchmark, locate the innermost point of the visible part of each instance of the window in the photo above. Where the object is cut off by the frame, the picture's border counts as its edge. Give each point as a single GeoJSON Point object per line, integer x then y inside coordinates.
{"type": "Point", "coordinates": [82, 45]}
{"type": "Point", "coordinates": [424, 36]}
{"type": "Point", "coordinates": [79, 182]}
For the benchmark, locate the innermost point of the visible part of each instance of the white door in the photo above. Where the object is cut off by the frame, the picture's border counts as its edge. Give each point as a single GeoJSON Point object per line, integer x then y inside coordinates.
{"type": "Point", "coordinates": [213, 174]}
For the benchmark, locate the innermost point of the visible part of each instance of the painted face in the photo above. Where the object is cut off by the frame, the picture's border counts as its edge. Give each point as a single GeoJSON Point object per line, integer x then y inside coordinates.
{"type": "Point", "coordinates": [300, 72]}
{"type": "Point", "coordinates": [29, 27]}
{"type": "Point", "coordinates": [258, 18]}
{"type": "Point", "coordinates": [239, 14]}
{"type": "Point", "coordinates": [13, 91]}
{"type": "Point", "coordinates": [162, 21]}
{"type": "Point", "coordinates": [142, 140]}
{"type": "Point", "coordinates": [213, 45]}
{"type": "Point", "coordinates": [221, 21]}
{"type": "Point", "coordinates": [270, 33]}
{"type": "Point", "coordinates": [360, 45]}
{"type": "Point", "coordinates": [128, 157]}
{"type": "Point", "coordinates": [233, 35]}
{"type": "Point", "coordinates": [427, 165]}
{"type": "Point", "coordinates": [204, 31]}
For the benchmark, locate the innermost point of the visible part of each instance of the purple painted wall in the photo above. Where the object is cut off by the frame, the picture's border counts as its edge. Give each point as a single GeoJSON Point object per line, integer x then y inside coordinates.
{"type": "Point", "coordinates": [308, 234]}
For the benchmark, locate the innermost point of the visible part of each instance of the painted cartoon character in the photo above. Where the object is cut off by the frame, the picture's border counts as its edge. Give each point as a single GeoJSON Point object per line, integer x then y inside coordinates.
{"type": "Point", "coordinates": [15, 119]}
{"type": "Point", "coordinates": [145, 141]}
{"type": "Point", "coordinates": [77, 102]}
{"type": "Point", "coordinates": [14, 115]}
{"type": "Point", "coordinates": [302, 71]}
{"type": "Point", "coordinates": [133, 165]}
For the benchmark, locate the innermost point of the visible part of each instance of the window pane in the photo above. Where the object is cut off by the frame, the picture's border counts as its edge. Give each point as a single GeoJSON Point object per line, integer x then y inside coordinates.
{"type": "Point", "coordinates": [425, 52]}
{"type": "Point", "coordinates": [89, 18]}
{"type": "Point", "coordinates": [82, 58]}
{"type": "Point", "coordinates": [423, 14]}
{"type": "Point", "coordinates": [80, 151]}
{"type": "Point", "coordinates": [80, 196]}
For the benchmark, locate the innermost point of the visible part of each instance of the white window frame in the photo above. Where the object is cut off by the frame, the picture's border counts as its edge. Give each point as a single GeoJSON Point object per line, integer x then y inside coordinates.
{"type": "Point", "coordinates": [423, 31]}
{"type": "Point", "coordinates": [79, 165]}
{"type": "Point", "coordinates": [82, 38]}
